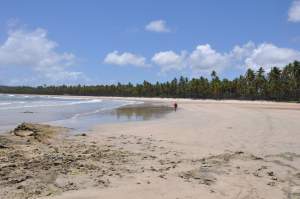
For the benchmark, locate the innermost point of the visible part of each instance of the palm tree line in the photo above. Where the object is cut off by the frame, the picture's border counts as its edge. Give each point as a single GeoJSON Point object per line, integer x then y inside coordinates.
{"type": "Point", "coordinates": [279, 84]}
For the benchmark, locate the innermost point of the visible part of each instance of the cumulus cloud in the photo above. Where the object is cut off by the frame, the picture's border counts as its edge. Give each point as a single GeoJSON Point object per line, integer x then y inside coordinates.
{"type": "Point", "coordinates": [157, 26]}
{"type": "Point", "coordinates": [33, 51]}
{"type": "Point", "coordinates": [169, 60]}
{"type": "Point", "coordinates": [294, 11]}
{"type": "Point", "coordinates": [205, 59]}
{"type": "Point", "coordinates": [126, 58]}
{"type": "Point", "coordinates": [239, 53]}
{"type": "Point", "coordinates": [268, 55]}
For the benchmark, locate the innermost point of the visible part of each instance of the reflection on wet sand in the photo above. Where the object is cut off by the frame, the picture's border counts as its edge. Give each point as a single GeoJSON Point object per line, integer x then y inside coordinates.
{"type": "Point", "coordinates": [141, 112]}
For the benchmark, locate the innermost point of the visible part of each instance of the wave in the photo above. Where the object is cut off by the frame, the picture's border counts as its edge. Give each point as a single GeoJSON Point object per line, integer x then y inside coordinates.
{"type": "Point", "coordinates": [87, 102]}
{"type": "Point", "coordinates": [52, 105]}
{"type": "Point", "coordinates": [5, 103]}
{"type": "Point", "coordinates": [9, 103]}
{"type": "Point", "coordinates": [66, 97]}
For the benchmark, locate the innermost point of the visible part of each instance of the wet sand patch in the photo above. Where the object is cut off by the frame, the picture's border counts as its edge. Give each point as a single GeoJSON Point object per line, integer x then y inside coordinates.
{"type": "Point", "coordinates": [145, 111]}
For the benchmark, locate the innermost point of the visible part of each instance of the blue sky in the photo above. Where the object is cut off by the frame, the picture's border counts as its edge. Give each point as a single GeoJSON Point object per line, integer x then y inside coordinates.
{"type": "Point", "coordinates": [91, 42]}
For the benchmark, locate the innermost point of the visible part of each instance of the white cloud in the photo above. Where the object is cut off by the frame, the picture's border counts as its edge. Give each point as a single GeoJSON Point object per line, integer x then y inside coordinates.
{"type": "Point", "coordinates": [169, 60]}
{"type": "Point", "coordinates": [239, 53]}
{"type": "Point", "coordinates": [125, 58]}
{"type": "Point", "coordinates": [268, 55]}
{"type": "Point", "coordinates": [33, 51]}
{"type": "Point", "coordinates": [294, 12]}
{"type": "Point", "coordinates": [205, 59]}
{"type": "Point", "coordinates": [157, 26]}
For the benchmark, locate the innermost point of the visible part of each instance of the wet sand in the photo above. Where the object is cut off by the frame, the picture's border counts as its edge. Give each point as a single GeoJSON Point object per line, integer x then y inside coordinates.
{"type": "Point", "coordinates": [207, 149]}
{"type": "Point", "coordinates": [142, 112]}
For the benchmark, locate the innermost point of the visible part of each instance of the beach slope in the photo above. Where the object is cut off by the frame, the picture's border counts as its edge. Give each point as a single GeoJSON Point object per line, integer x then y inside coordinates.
{"type": "Point", "coordinates": [207, 149]}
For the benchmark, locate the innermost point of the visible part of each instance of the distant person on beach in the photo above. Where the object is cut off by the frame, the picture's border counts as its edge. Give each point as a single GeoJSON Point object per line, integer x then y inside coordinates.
{"type": "Point", "coordinates": [175, 106]}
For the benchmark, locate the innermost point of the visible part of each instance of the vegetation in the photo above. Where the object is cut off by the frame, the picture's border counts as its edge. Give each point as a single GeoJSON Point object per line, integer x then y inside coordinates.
{"type": "Point", "coordinates": [278, 84]}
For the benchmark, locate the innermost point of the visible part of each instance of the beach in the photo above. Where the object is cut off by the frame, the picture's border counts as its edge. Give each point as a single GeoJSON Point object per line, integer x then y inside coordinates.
{"type": "Point", "coordinates": [206, 149]}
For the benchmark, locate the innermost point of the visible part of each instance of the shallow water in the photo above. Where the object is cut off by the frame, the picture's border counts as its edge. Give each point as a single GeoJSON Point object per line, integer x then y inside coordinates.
{"type": "Point", "coordinates": [73, 112]}
{"type": "Point", "coordinates": [132, 112]}
{"type": "Point", "coordinates": [142, 111]}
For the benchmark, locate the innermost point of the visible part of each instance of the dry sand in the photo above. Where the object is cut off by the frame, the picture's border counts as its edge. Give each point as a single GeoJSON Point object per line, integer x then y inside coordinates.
{"type": "Point", "coordinates": [207, 149]}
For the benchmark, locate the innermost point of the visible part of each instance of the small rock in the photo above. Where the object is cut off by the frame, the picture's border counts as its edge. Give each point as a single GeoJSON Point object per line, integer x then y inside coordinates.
{"type": "Point", "coordinates": [271, 183]}
{"type": "Point", "coordinates": [271, 173]}
{"type": "Point", "coordinates": [274, 178]}
{"type": "Point", "coordinates": [257, 174]}
{"type": "Point", "coordinates": [82, 134]}
{"type": "Point", "coordinates": [20, 187]}
{"type": "Point", "coordinates": [3, 146]}
{"type": "Point", "coordinates": [162, 176]}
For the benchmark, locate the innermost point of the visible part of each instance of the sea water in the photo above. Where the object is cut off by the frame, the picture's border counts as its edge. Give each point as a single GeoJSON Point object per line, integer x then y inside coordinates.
{"type": "Point", "coordinates": [78, 113]}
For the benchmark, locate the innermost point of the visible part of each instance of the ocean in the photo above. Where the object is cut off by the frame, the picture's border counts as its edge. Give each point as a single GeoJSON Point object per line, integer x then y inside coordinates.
{"type": "Point", "coordinates": [78, 113]}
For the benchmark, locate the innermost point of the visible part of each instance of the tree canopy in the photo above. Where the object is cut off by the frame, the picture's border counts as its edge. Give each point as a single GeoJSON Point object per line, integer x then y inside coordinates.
{"type": "Point", "coordinates": [278, 84]}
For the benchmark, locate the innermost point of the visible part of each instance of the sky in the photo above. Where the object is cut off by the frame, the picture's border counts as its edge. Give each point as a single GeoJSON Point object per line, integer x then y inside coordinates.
{"type": "Point", "coordinates": [109, 41]}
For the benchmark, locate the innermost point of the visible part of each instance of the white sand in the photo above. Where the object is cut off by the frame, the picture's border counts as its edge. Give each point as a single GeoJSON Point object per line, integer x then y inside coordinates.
{"type": "Point", "coordinates": [202, 129]}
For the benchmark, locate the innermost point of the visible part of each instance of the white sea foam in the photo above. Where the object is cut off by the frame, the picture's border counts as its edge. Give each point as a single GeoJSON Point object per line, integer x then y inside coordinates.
{"type": "Point", "coordinates": [72, 111]}
{"type": "Point", "coordinates": [5, 103]}
{"type": "Point", "coordinates": [54, 104]}
{"type": "Point", "coordinates": [37, 101]}
{"type": "Point", "coordinates": [68, 97]}
{"type": "Point", "coordinates": [86, 102]}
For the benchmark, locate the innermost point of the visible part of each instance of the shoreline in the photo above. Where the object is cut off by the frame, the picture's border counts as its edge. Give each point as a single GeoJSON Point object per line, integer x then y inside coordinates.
{"type": "Point", "coordinates": [212, 149]}
{"type": "Point", "coordinates": [163, 99]}
{"type": "Point", "coordinates": [88, 114]}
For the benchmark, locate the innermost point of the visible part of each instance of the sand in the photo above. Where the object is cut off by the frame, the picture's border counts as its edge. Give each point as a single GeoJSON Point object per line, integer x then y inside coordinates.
{"type": "Point", "coordinates": [207, 149]}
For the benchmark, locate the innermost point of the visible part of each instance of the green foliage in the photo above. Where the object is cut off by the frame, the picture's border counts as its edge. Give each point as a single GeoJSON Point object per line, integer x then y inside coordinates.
{"type": "Point", "coordinates": [277, 84]}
